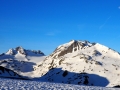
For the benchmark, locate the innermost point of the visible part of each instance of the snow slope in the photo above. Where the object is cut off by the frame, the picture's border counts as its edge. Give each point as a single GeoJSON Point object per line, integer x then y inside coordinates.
{"type": "Point", "coordinates": [12, 84]}
{"type": "Point", "coordinates": [82, 63]}
{"type": "Point", "coordinates": [21, 60]}
{"type": "Point", "coordinates": [7, 73]}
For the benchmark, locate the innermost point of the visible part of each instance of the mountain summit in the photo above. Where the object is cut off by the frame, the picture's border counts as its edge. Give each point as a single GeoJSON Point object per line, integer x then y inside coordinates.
{"type": "Point", "coordinates": [23, 51]}
{"type": "Point", "coordinates": [71, 47]}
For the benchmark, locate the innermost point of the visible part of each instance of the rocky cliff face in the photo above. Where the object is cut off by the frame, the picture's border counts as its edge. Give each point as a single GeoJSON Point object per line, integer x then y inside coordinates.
{"type": "Point", "coordinates": [81, 62]}
{"type": "Point", "coordinates": [70, 47]}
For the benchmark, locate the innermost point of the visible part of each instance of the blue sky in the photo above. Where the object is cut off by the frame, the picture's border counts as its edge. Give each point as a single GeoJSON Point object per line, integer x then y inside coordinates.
{"type": "Point", "coordinates": [45, 24]}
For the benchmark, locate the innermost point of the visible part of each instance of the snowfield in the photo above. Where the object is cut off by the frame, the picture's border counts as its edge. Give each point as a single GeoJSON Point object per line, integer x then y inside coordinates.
{"type": "Point", "coordinates": [12, 84]}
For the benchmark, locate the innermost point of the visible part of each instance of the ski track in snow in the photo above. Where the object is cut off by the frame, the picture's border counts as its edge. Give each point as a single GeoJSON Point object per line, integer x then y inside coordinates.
{"type": "Point", "coordinates": [12, 84]}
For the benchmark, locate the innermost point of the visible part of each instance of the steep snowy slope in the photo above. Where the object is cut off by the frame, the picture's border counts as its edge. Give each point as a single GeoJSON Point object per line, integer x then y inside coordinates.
{"type": "Point", "coordinates": [83, 63]}
{"type": "Point", "coordinates": [21, 60]}
{"type": "Point", "coordinates": [7, 73]}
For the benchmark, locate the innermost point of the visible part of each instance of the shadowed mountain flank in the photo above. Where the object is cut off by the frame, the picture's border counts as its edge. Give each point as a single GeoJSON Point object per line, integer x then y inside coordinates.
{"type": "Point", "coordinates": [60, 76]}
{"type": "Point", "coordinates": [18, 66]}
{"type": "Point", "coordinates": [4, 72]}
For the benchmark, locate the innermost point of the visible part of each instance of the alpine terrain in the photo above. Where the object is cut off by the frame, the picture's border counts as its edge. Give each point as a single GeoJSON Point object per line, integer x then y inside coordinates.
{"type": "Point", "coordinates": [19, 61]}
{"type": "Point", "coordinates": [82, 63]}
{"type": "Point", "coordinates": [75, 62]}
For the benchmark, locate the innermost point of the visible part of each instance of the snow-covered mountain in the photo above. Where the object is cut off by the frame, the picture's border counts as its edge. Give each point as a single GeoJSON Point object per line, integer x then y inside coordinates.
{"type": "Point", "coordinates": [75, 62]}
{"type": "Point", "coordinates": [82, 63]}
{"type": "Point", "coordinates": [21, 60]}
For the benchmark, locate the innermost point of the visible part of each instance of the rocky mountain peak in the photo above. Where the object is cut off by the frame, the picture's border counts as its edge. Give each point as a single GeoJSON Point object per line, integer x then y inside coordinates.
{"type": "Point", "coordinates": [23, 51]}
{"type": "Point", "coordinates": [16, 50]}
{"type": "Point", "coordinates": [20, 50]}
{"type": "Point", "coordinates": [72, 46]}
{"type": "Point", "coordinates": [81, 62]}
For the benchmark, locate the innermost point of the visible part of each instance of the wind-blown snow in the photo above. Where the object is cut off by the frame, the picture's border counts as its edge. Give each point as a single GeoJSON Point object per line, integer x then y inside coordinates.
{"type": "Point", "coordinates": [12, 84]}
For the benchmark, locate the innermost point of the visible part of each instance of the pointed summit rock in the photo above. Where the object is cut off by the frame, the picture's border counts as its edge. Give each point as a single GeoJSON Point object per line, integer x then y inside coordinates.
{"type": "Point", "coordinates": [71, 47]}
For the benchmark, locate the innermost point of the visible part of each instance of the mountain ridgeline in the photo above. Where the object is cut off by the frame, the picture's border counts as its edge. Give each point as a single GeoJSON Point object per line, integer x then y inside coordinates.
{"type": "Point", "coordinates": [83, 63]}
{"type": "Point", "coordinates": [75, 62]}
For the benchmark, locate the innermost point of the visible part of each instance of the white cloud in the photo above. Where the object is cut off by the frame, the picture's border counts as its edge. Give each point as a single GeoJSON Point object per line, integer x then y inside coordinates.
{"type": "Point", "coordinates": [119, 7]}
{"type": "Point", "coordinates": [52, 33]}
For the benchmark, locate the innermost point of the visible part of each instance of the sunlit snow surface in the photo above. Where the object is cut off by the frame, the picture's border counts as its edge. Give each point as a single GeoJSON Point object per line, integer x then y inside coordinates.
{"type": "Point", "coordinates": [12, 84]}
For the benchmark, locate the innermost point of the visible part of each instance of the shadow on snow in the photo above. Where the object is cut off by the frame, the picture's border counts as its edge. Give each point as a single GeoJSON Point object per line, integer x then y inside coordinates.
{"type": "Point", "coordinates": [57, 75]}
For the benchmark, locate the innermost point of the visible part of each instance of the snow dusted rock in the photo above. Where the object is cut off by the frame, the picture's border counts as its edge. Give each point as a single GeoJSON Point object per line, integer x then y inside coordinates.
{"type": "Point", "coordinates": [70, 47]}
{"type": "Point", "coordinates": [21, 60]}
{"type": "Point", "coordinates": [23, 51]}
{"type": "Point", "coordinates": [81, 62]}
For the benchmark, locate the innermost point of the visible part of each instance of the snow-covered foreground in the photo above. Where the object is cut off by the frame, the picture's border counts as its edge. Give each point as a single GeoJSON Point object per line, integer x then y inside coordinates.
{"type": "Point", "coordinates": [12, 84]}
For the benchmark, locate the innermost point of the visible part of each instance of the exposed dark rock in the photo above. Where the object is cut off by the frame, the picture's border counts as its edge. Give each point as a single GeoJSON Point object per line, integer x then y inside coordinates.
{"type": "Point", "coordinates": [86, 80]}
{"type": "Point", "coordinates": [75, 45]}
{"type": "Point", "coordinates": [98, 63]}
{"type": "Point", "coordinates": [117, 86]}
{"type": "Point", "coordinates": [96, 53]}
{"type": "Point", "coordinates": [2, 54]}
{"type": "Point", "coordinates": [65, 73]}
{"type": "Point", "coordinates": [21, 50]}
{"type": "Point", "coordinates": [60, 62]}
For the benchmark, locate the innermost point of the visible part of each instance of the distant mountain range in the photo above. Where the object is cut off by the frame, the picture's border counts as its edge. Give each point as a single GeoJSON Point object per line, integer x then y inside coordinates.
{"type": "Point", "coordinates": [75, 62]}
{"type": "Point", "coordinates": [21, 60]}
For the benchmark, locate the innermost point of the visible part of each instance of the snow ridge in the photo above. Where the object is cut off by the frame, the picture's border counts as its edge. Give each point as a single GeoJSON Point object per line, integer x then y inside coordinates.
{"type": "Point", "coordinates": [23, 51]}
